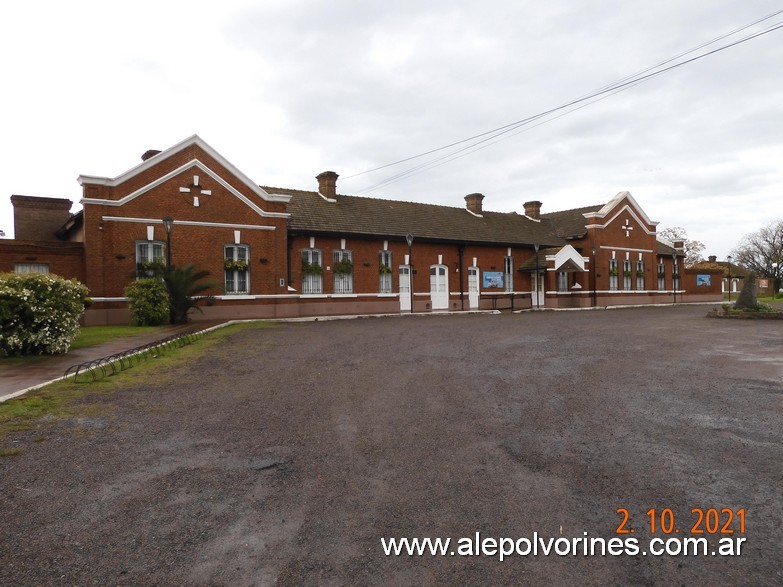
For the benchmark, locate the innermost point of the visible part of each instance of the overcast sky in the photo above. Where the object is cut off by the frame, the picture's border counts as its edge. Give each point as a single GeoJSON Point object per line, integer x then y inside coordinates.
{"type": "Point", "coordinates": [286, 89]}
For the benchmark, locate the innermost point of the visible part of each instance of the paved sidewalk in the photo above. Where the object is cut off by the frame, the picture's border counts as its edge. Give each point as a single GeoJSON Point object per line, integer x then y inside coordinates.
{"type": "Point", "coordinates": [43, 369]}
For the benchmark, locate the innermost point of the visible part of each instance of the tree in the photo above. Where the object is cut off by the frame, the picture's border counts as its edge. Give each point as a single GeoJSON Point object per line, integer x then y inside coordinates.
{"type": "Point", "coordinates": [693, 249]}
{"type": "Point", "coordinates": [184, 284]}
{"type": "Point", "coordinates": [762, 252]}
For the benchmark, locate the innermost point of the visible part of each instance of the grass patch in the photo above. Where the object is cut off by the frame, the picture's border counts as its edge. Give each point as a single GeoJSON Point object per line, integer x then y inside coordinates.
{"type": "Point", "coordinates": [88, 336]}
{"type": "Point", "coordinates": [10, 452]}
{"type": "Point", "coordinates": [63, 399]}
{"type": "Point", "coordinates": [94, 335]}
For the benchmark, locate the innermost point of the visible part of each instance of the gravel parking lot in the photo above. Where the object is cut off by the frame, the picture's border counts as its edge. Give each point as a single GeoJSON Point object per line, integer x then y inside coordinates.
{"type": "Point", "coordinates": [284, 456]}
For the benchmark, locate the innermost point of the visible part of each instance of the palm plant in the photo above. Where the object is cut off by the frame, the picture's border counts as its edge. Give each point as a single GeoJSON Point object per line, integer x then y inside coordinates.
{"type": "Point", "coordinates": [184, 285]}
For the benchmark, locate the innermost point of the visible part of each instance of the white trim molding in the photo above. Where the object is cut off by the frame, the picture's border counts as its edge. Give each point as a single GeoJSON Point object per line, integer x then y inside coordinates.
{"type": "Point", "coordinates": [186, 223]}
{"type": "Point", "coordinates": [193, 140]}
{"type": "Point", "coordinates": [634, 209]}
{"type": "Point", "coordinates": [171, 174]}
{"type": "Point", "coordinates": [613, 248]}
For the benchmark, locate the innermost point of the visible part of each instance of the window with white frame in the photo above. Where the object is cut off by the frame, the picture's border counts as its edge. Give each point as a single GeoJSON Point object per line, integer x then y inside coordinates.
{"type": "Point", "coordinates": [562, 281]}
{"type": "Point", "coordinates": [626, 274]}
{"type": "Point", "coordinates": [343, 271]}
{"type": "Point", "coordinates": [661, 276]}
{"type": "Point", "coordinates": [31, 268]}
{"type": "Point", "coordinates": [312, 271]}
{"type": "Point", "coordinates": [150, 258]}
{"type": "Point", "coordinates": [640, 275]}
{"type": "Point", "coordinates": [613, 274]}
{"type": "Point", "coordinates": [508, 273]}
{"type": "Point", "coordinates": [385, 272]}
{"type": "Point", "coordinates": [236, 262]}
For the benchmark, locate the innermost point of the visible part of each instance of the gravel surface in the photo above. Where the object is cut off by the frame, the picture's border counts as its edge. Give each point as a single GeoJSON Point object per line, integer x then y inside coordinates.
{"type": "Point", "coordinates": [284, 455]}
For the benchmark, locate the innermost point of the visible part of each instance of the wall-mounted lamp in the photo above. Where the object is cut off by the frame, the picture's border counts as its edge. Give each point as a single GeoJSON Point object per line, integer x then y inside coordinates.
{"type": "Point", "coordinates": [168, 223]}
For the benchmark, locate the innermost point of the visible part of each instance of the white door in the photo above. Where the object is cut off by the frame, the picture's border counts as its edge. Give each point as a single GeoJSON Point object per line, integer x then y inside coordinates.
{"type": "Point", "coordinates": [538, 291]}
{"type": "Point", "coordinates": [473, 287]}
{"type": "Point", "coordinates": [439, 290]}
{"type": "Point", "coordinates": [405, 288]}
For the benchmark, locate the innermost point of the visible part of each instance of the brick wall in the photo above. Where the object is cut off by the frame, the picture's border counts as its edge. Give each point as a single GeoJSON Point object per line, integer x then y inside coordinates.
{"type": "Point", "coordinates": [64, 259]}
{"type": "Point", "coordinates": [37, 219]}
{"type": "Point", "coordinates": [111, 232]}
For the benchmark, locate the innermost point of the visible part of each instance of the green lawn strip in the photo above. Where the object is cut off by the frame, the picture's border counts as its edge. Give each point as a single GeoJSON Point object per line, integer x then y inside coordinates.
{"type": "Point", "coordinates": [95, 335]}
{"type": "Point", "coordinates": [88, 336]}
{"type": "Point", "coordinates": [68, 399]}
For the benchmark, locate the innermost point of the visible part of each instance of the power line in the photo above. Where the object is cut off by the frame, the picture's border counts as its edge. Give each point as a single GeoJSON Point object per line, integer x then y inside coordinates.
{"type": "Point", "coordinates": [491, 137]}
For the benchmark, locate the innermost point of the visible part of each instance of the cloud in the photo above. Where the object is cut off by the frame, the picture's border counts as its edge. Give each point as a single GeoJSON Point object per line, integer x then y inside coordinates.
{"type": "Point", "coordinates": [286, 89]}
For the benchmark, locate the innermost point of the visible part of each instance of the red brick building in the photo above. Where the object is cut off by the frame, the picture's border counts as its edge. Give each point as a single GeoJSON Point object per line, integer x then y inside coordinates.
{"type": "Point", "coordinates": [281, 252]}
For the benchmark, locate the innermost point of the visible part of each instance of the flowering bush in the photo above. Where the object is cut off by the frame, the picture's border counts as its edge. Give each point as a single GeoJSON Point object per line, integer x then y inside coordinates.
{"type": "Point", "coordinates": [232, 265]}
{"type": "Point", "coordinates": [39, 313]}
{"type": "Point", "coordinates": [148, 301]}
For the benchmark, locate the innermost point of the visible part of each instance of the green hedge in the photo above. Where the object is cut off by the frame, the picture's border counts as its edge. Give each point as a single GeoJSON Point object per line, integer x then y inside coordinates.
{"type": "Point", "coordinates": [148, 302]}
{"type": "Point", "coordinates": [39, 313]}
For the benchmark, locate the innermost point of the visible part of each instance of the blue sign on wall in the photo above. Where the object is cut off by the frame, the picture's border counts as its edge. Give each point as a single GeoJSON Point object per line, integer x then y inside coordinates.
{"type": "Point", "coordinates": [493, 279]}
{"type": "Point", "coordinates": [703, 280]}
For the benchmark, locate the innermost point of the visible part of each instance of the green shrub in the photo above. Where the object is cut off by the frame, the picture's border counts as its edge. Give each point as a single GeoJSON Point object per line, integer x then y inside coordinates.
{"type": "Point", "coordinates": [184, 286]}
{"type": "Point", "coordinates": [148, 302]}
{"type": "Point", "coordinates": [39, 313]}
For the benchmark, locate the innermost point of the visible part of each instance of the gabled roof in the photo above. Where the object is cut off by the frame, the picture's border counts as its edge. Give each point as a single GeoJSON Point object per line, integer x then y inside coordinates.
{"type": "Point", "coordinates": [359, 215]}
{"type": "Point", "coordinates": [570, 223]}
{"type": "Point", "coordinates": [193, 140]}
{"type": "Point", "coordinates": [612, 204]}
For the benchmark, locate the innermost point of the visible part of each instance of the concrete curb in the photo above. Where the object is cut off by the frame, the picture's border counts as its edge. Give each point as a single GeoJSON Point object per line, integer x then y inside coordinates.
{"type": "Point", "coordinates": [618, 307]}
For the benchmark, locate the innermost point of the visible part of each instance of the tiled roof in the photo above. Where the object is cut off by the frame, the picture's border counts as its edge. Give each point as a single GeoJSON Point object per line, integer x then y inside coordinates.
{"type": "Point", "coordinates": [570, 223]}
{"type": "Point", "coordinates": [665, 249]}
{"type": "Point", "coordinates": [736, 270]}
{"type": "Point", "coordinates": [530, 264]}
{"type": "Point", "coordinates": [311, 213]}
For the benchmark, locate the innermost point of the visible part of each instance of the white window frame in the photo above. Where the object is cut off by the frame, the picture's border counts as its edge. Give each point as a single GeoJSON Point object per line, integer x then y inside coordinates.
{"type": "Point", "coordinates": [146, 253]}
{"type": "Point", "coordinates": [640, 275]}
{"type": "Point", "coordinates": [343, 282]}
{"type": "Point", "coordinates": [627, 283]}
{"type": "Point", "coordinates": [508, 273]}
{"type": "Point", "coordinates": [21, 268]}
{"type": "Point", "coordinates": [661, 276]}
{"type": "Point", "coordinates": [385, 280]}
{"type": "Point", "coordinates": [312, 283]}
{"type": "Point", "coordinates": [614, 280]}
{"type": "Point", "coordinates": [237, 281]}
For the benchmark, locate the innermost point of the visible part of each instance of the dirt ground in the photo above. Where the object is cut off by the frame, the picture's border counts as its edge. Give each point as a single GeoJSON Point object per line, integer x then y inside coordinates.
{"type": "Point", "coordinates": [286, 454]}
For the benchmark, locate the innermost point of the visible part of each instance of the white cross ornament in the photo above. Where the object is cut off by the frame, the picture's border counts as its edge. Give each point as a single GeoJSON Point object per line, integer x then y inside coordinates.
{"type": "Point", "coordinates": [195, 186]}
{"type": "Point", "coordinates": [627, 227]}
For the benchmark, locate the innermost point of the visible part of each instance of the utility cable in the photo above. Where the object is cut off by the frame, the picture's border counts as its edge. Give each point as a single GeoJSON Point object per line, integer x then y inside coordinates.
{"type": "Point", "coordinates": [490, 136]}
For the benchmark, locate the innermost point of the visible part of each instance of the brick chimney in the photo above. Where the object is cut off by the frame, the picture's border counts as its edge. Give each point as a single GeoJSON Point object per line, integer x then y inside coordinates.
{"type": "Point", "coordinates": [37, 219]}
{"type": "Point", "coordinates": [149, 154]}
{"type": "Point", "coordinates": [327, 184]}
{"type": "Point", "coordinates": [533, 210]}
{"type": "Point", "coordinates": [474, 203]}
{"type": "Point", "coordinates": [712, 259]}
